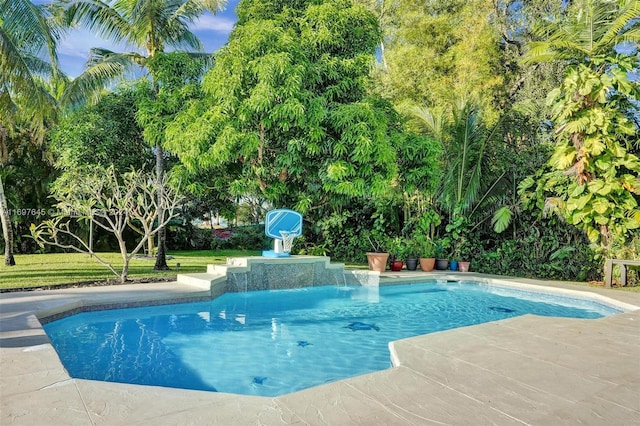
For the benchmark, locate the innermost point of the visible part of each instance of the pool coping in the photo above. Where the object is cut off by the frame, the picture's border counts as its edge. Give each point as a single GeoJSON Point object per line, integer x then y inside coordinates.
{"type": "Point", "coordinates": [34, 387]}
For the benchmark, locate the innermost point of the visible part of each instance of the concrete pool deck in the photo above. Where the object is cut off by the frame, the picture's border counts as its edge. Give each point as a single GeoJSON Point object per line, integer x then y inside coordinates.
{"type": "Point", "coordinates": [526, 370]}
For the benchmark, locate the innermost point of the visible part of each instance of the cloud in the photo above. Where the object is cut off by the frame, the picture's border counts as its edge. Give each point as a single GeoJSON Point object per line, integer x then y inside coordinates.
{"type": "Point", "coordinates": [219, 24]}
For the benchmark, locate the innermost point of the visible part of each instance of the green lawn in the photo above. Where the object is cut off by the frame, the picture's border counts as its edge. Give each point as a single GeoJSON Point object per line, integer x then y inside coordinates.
{"type": "Point", "coordinates": [44, 270]}
{"type": "Point", "coordinates": [37, 270]}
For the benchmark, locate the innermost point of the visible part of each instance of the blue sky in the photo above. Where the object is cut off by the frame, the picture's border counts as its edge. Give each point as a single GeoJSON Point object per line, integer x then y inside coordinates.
{"type": "Point", "coordinates": [73, 49]}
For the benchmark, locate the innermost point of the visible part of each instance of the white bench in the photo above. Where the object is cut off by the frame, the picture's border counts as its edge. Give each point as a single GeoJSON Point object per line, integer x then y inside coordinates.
{"type": "Point", "coordinates": [608, 270]}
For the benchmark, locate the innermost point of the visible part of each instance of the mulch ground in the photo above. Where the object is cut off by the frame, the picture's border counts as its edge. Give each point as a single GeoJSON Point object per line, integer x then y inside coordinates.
{"type": "Point", "coordinates": [92, 283]}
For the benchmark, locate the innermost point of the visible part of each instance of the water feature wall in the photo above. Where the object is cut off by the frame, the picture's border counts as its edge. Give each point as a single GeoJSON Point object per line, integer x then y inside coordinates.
{"type": "Point", "coordinates": [268, 273]}
{"type": "Point", "coordinates": [262, 273]}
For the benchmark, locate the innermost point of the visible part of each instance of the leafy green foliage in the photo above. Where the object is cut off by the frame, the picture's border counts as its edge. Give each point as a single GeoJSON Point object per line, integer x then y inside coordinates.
{"type": "Point", "coordinates": [175, 81]}
{"type": "Point", "coordinates": [348, 237]}
{"type": "Point", "coordinates": [29, 79]}
{"type": "Point", "coordinates": [471, 188]}
{"type": "Point", "coordinates": [104, 134]}
{"type": "Point", "coordinates": [28, 40]}
{"type": "Point", "coordinates": [591, 110]}
{"type": "Point", "coordinates": [590, 29]}
{"type": "Point", "coordinates": [418, 164]}
{"type": "Point", "coordinates": [286, 107]}
{"type": "Point", "coordinates": [439, 52]}
{"type": "Point", "coordinates": [250, 237]}
{"type": "Point", "coordinates": [26, 176]}
{"type": "Point", "coordinates": [543, 255]}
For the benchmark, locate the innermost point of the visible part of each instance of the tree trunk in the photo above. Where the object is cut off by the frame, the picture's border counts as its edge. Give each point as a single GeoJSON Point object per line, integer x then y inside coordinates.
{"type": "Point", "coordinates": [161, 257]}
{"type": "Point", "coordinates": [125, 271]}
{"type": "Point", "coordinates": [150, 246]}
{"type": "Point", "coordinates": [7, 233]}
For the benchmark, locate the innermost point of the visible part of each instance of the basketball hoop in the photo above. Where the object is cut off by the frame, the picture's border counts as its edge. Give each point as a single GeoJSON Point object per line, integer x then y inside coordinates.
{"type": "Point", "coordinates": [283, 225]}
{"type": "Point", "coordinates": [287, 240]}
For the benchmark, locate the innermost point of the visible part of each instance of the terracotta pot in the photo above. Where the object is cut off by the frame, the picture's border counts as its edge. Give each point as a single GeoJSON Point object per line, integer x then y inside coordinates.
{"type": "Point", "coordinates": [427, 263]}
{"type": "Point", "coordinates": [396, 265]}
{"type": "Point", "coordinates": [463, 266]}
{"type": "Point", "coordinates": [377, 261]}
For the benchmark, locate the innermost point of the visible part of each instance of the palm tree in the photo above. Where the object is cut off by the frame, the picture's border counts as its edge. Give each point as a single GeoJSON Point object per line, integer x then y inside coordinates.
{"type": "Point", "coordinates": [28, 51]}
{"type": "Point", "coordinates": [464, 139]}
{"type": "Point", "coordinates": [468, 193]}
{"type": "Point", "coordinates": [149, 25]}
{"type": "Point", "coordinates": [28, 71]}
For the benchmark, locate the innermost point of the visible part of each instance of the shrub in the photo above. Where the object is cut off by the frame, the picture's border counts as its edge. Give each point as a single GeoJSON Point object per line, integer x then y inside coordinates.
{"type": "Point", "coordinates": [250, 237]}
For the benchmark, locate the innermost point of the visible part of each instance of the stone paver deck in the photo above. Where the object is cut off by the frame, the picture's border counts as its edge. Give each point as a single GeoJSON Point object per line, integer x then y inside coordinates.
{"type": "Point", "coordinates": [527, 370]}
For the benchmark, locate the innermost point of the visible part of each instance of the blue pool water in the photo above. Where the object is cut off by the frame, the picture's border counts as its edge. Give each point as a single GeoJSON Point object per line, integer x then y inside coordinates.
{"type": "Point", "coordinates": [275, 342]}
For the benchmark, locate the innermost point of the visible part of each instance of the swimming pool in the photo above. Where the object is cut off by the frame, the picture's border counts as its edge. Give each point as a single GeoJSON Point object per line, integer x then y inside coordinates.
{"type": "Point", "coordinates": [275, 342]}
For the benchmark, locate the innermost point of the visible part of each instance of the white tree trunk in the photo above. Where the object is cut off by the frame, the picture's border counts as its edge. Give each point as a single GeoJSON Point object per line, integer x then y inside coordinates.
{"type": "Point", "coordinates": [7, 233]}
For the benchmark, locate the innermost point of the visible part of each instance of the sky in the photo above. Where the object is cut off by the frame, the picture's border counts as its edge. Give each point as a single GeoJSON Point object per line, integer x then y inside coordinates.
{"type": "Point", "coordinates": [73, 49]}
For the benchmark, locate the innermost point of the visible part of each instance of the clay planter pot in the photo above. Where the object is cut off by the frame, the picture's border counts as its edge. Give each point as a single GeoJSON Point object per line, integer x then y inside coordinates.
{"type": "Point", "coordinates": [463, 266]}
{"type": "Point", "coordinates": [427, 263]}
{"type": "Point", "coordinates": [453, 265]}
{"type": "Point", "coordinates": [377, 261]}
{"type": "Point", "coordinates": [396, 265]}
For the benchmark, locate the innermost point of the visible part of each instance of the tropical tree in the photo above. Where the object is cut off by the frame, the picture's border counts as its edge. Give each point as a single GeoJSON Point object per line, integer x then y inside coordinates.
{"type": "Point", "coordinates": [149, 25]}
{"type": "Point", "coordinates": [28, 75]}
{"type": "Point", "coordinates": [439, 51]}
{"type": "Point", "coordinates": [176, 78]}
{"type": "Point", "coordinates": [595, 177]}
{"type": "Point", "coordinates": [28, 42]}
{"type": "Point", "coordinates": [104, 134]}
{"type": "Point", "coordinates": [7, 232]}
{"type": "Point", "coordinates": [110, 202]}
{"type": "Point", "coordinates": [464, 139]}
{"type": "Point", "coordinates": [526, 86]}
{"type": "Point", "coordinates": [286, 106]}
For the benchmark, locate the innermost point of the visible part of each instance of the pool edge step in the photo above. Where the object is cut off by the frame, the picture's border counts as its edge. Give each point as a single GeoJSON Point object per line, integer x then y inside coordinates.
{"type": "Point", "coordinates": [202, 280]}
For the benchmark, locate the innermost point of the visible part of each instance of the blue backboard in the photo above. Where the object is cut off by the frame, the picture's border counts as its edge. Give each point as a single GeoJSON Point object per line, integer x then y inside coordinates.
{"type": "Point", "coordinates": [282, 220]}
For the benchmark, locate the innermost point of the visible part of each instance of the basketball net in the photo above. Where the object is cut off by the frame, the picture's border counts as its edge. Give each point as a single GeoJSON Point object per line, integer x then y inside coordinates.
{"type": "Point", "coordinates": [287, 240]}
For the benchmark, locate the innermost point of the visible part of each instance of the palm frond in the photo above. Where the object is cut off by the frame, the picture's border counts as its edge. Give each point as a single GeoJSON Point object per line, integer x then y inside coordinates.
{"type": "Point", "coordinates": [29, 27]}
{"type": "Point", "coordinates": [501, 219]}
{"type": "Point", "coordinates": [193, 8]}
{"type": "Point", "coordinates": [595, 28]}
{"type": "Point", "coordinates": [103, 68]}
{"type": "Point", "coordinates": [625, 22]}
{"type": "Point", "coordinates": [97, 17]}
{"type": "Point", "coordinates": [431, 120]}
{"type": "Point", "coordinates": [23, 93]}
{"type": "Point", "coordinates": [179, 37]}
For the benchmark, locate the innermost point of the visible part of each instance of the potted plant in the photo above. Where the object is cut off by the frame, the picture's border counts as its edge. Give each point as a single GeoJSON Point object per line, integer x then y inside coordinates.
{"type": "Point", "coordinates": [453, 265]}
{"type": "Point", "coordinates": [397, 250]}
{"type": "Point", "coordinates": [464, 252]}
{"type": "Point", "coordinates": [442, 245]}
{"type": "Point", "coordinates": [425, 248]}
{"type": "Point", "coordinates": [377, 259]}
{"type": "Point", "coordinates": [457, 229]}
{"type": "Point", "coordinates": [410, 253]}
